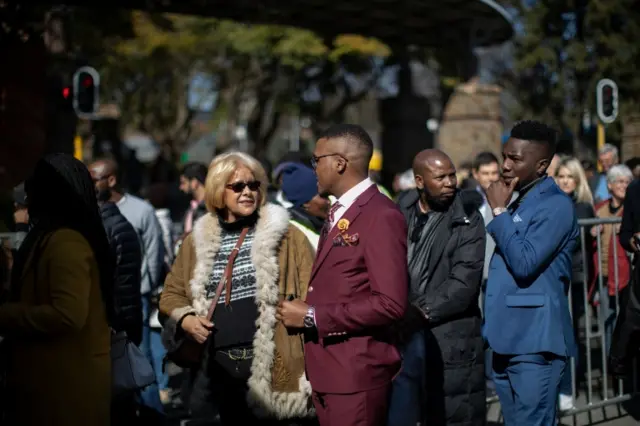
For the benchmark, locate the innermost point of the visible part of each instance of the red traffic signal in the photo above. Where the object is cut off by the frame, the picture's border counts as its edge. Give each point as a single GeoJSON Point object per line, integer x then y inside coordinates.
{"type": "Point", "coordinates": [86, 82]}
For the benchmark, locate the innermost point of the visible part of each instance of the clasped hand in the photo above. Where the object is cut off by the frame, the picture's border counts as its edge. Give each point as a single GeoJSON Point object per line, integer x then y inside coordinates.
{"type": "Point", "coordinates": [197, 328]}
{"type": "Point", "coordinates": [292, 313]}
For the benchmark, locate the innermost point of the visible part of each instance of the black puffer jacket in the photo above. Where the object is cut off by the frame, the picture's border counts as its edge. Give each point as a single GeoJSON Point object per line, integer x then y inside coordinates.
{"type": "Point", "coordinates": [454, 345]}
{"type": "Point", "coordinates": [125, 245]}
{"type": "Point", "coordinates": [580, 274]}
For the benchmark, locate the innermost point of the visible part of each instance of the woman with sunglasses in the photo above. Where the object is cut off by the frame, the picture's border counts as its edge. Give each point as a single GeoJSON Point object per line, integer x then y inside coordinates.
{"type": "Point", "coordinates": [252, 367]}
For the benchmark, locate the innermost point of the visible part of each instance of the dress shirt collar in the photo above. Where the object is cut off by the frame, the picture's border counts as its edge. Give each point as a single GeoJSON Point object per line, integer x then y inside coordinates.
{"type": "Point", "coordinates": [349, 197]}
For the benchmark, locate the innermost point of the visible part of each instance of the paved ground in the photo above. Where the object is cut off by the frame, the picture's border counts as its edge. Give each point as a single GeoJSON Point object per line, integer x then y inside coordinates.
{"type": "Point", "coordinates": [614, 415]}
{"type": "Point", "coordinates": [623, 414]}
{"type": "Point", "coordinates": [626, 413]}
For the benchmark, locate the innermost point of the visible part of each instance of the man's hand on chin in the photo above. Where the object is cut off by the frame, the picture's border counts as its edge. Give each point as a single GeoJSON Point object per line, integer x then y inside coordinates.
{"type": "Point", "coordinates": [499, 193]}
{"type": "Point", "coordinates": [292, 313]}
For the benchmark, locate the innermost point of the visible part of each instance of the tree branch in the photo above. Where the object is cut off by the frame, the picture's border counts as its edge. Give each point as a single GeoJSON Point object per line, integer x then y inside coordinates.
{"type": "Point", "coordinates": [350, 98]}
{"type": "Point", "coordinates": [265, 116]}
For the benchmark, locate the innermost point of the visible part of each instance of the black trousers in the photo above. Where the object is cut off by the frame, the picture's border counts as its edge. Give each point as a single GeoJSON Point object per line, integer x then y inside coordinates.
{"type": "Point", "coordinates": [222, 383]}
{"type": "Point", "coordinates": [124, 411]}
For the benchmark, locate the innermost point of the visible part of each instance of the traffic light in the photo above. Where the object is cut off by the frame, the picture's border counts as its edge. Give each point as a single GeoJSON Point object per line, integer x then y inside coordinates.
{"type": "Point", "coordinates": [86, 86]}
{"type": "Point", "coordinates": [607, 100]}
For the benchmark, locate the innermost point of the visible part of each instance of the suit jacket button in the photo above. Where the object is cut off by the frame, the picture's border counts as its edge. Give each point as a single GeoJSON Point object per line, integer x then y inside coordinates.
{"type": "Point", "coordinates": [310, 289]}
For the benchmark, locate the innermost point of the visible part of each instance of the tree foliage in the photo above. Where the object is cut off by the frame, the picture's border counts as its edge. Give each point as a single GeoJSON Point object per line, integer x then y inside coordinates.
{"type": "Point", "coordinates": [262, 72]}
{"type": "Point", "coordinates": [565, 47]}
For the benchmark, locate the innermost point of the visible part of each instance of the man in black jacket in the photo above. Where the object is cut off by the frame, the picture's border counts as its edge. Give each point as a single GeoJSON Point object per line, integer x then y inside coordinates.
{"type": "Point", "coordinates": [442, 329]}
{"type": "Point", "coordinates": [125, 245]}
{"type": "Point", "coordinates": [626, 336]}
{"type": "Point", "coordinates": [127, 253]}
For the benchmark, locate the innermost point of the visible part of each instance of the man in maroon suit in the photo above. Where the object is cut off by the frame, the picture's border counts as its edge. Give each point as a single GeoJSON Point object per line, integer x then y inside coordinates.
{"type": "Point", "coordinates": [358, 287]}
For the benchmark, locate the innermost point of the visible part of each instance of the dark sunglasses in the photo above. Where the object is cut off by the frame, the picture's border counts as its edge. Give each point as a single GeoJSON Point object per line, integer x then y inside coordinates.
{"type": "Point", "coordinates": [238, 187]}
{"type": "Point", "coordinates": [315, 159]}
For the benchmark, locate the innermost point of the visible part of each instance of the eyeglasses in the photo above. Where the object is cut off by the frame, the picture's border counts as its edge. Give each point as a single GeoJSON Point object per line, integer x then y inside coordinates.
{"type": "Point", "coordinates": [315, 159]}
{"type": "Point", "coordinates": [238, 187]}
{"type": "Point", "coordinates": [622, 182]}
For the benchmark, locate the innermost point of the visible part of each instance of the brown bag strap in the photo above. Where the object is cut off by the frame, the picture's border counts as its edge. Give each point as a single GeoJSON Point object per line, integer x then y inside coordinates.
{"type": "Point", "coordinates": [225, 282]}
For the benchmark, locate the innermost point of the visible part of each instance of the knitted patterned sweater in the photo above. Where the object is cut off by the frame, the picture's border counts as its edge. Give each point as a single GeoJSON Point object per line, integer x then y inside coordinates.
{"type": "Point", "coordinates": [235, 324]}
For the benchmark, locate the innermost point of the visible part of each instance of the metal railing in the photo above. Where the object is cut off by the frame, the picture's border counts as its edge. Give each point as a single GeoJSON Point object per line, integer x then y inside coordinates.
{"type": "Point", "coordinates": [12, 239]}
{"type": "Point", "coordinates": [600, 335]}
{"type": "Point", "coordinates": [599, 321]}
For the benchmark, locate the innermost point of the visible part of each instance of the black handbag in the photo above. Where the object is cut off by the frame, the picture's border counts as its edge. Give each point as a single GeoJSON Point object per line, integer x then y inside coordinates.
{"type": "Point", "coordinates": [130, 368]}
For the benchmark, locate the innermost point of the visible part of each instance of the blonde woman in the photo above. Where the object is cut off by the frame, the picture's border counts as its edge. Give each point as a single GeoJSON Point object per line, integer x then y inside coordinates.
{"type": "Point", "coordinates": [253, 367]}
{"type": "Point", "coordinates": [571, 179]}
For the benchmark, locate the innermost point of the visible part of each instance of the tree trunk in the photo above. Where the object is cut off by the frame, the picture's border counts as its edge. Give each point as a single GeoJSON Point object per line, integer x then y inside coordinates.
{"type": "Point", "coordinates": [404, 123]}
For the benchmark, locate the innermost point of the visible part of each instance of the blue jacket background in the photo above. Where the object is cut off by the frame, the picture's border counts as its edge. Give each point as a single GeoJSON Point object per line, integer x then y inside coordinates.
{"type": "Point", "coordinates": [526, 304]}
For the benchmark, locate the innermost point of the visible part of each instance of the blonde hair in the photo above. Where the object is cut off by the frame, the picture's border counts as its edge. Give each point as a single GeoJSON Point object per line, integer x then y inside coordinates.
{"type": "Point", "coordinates": [582, 192]}
{"type": "Point", "coordinates": [222, 169]}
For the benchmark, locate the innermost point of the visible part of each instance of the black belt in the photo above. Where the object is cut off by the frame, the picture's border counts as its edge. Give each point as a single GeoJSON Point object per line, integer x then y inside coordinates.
{"type": "Point", "coordinates": [237, 354]}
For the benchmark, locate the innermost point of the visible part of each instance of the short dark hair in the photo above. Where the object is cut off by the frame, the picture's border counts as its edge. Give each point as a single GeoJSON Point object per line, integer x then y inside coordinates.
{"type": "Point", "coordinates": [588, 165]}
{"type": "Point", "coordinates": [158, 195]}
{"type": "Point", "coordinates": [483, 159]}
{"type": "Point", "coordinates": [466, 165]}
{"type": "Point", "coordinates": [196, 171]}
{"type": "Point", "coordinates": [535, 131]}
{"type": "Point", "coordinates": [632, 163]}
{"type": "Point", "coordinates": [352, 132]}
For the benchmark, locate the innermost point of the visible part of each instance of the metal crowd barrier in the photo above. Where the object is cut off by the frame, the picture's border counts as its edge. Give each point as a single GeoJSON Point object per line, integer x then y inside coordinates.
{"type": "Point", "coordinates": [596, 392]}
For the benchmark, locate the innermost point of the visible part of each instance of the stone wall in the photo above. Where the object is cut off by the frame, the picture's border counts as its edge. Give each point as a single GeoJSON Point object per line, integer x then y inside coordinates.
{"type": "Point", "coordinates": [630, 146]}
{"type": "Point", "coordinates": [471, 122]}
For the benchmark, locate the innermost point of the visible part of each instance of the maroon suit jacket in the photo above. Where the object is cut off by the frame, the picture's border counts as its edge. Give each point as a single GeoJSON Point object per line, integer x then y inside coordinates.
{"type": "Point", "coordinates": [358, 291]}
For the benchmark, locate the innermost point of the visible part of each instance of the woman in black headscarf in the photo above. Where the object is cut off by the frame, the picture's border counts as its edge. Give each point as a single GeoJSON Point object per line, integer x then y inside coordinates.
{"type": "Point", "coordinates": [56, 324]}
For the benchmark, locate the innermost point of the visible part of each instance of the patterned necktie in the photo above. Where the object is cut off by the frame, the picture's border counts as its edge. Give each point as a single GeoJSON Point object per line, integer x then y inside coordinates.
{"type": "Point", "coordinates": [330, 217]}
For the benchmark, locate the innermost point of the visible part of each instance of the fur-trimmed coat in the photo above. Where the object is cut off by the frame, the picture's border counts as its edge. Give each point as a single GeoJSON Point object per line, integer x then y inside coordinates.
{"type": "Point", "coordinates": [283, 260]}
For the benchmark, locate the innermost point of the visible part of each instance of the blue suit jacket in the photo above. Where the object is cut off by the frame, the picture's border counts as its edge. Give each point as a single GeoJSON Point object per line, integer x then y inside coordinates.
{"type": "Point", "coordinates": [526, 305]}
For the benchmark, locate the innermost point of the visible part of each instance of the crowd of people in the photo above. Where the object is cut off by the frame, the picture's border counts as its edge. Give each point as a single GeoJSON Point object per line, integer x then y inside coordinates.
{"type": "Point", "coordinates": [308, 295]}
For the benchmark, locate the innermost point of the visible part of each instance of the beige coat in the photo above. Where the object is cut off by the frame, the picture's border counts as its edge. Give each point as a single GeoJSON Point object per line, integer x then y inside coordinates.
{"type": "Point", "coordinates": [283, 259]}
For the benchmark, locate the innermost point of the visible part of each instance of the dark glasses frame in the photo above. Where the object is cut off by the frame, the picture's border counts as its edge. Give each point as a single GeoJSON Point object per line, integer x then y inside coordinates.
{"type": "Point", "coordinates": [315, 159]}
{"type": "Point", "coordinates": [238, 187]}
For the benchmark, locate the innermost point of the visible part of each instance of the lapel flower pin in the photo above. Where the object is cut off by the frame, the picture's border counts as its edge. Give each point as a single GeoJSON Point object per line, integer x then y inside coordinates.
{"type": "Point", "coordinates": [344, 239]}
{"type": "Point", "coordinates": [343, 225]}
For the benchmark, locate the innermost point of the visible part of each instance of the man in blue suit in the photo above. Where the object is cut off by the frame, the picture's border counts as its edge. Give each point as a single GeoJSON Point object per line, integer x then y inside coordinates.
{"type": "Point", "coordinates": [527, 320]}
